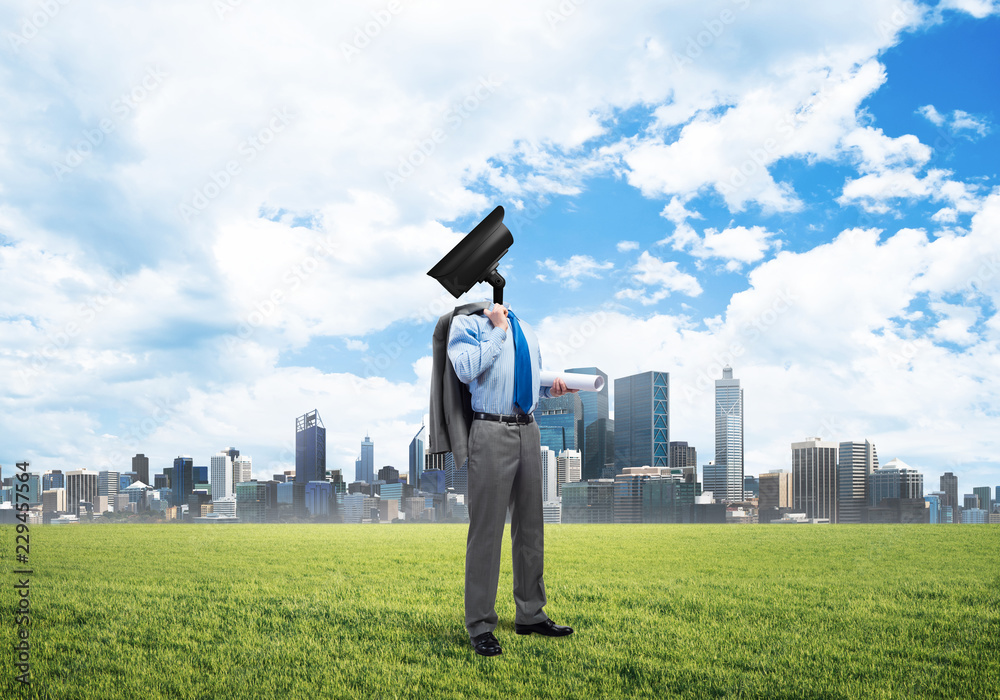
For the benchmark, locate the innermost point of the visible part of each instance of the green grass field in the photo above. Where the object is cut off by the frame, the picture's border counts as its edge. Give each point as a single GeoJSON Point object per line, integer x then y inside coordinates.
{"type": "Point", "coordinates": [331, 611]}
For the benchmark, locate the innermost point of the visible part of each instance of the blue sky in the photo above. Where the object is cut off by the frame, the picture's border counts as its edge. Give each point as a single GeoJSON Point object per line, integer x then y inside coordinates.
{"type": "Point", "coordinates": [222, 218]}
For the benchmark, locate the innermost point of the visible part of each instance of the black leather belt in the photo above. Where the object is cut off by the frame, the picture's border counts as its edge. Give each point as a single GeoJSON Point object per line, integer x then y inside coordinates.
{"type": "Point", "coordinates": [522, 419]}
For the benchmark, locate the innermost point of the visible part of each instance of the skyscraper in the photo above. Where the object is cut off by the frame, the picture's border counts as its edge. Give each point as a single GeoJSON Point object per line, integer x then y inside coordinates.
{"type": "Point", "coordinates": [242, 468]}
{"type": "Point", "coordinates": [814, 478]}
{"type": "Point", "coordinates": [364, 466]}
{"type": "Point", "coordinates": [895, 480]}
{"type": "Point", "coordinates": [642, 420]}
{"type": "Point", "coordinates": [685, 458]}
{"type": "Point", "coordinates": [221, 476]}
{"type": "Point", "coordinates": [182, 480]}
{"type": "Point", "coordinates": [984, 497]}
{"type": "Point", "coordinates": [775, 490]}
{"type": "Point", "coordinates": [108, 483]}
{"type": "Point", "coordinates": [140, 465]}
{"type": "Point", "coordinates": [549, 475]}
{"type": "Point", "coordinates": [81, 485]}
{"type": "Point", "coordinates": [855, 463]}
{"type": "Point", "coordinates": [594, 445]}
{"type": "Point", "coordinates": [417, 451]}
{"type": "Point", "coordinates": [568, 467]}
{"type": "Point", "coordinates": [949, 485]}
{"type": "Point", "coordinates": [560, 422]}
{"type": "Point", "coordinates": [310, 448]}
{"type": "Point", "coordinates": [729, 432]}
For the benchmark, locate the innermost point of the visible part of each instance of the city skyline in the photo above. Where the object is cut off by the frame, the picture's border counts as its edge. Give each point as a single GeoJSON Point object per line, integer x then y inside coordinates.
{"type": "Point", "coordinates": [809, 197]}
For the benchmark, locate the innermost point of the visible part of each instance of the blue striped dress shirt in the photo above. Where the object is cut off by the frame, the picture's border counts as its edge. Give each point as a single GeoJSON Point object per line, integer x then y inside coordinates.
{"type": "Point", "coordinates": [483, 358]}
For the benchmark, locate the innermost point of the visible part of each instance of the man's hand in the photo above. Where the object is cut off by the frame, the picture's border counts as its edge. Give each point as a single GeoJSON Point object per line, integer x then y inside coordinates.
{"type": "Point", "coordinates": [559, 388]}
{"type": "Point", "coordinates": [498, 316]}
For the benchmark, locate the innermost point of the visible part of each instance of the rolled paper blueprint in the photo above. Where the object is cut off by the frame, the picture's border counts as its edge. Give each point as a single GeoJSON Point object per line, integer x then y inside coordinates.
{"type": "Point", "coordinates": [584, 382]}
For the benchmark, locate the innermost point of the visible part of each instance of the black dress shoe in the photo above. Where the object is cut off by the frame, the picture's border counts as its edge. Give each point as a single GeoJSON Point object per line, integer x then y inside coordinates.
{"type": "Point", "coordinates": [486, 644]}
{"type": "Point", "coordinates": [548, 628]}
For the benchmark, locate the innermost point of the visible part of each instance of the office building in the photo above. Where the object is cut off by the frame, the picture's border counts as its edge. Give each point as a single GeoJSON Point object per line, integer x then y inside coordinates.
{"type": "Point", "coordinates": [597, 445]}
{"type": "Point", "coordinates": [221, 475]}
{"type": "Point", "coordinates": [108, 483]}
{"type": "Point", "coordinates": [560, 422]}
{"type": "Point", "coordinates": [685, 458]}
{"type": "Point", "coordinates": [949, 485]}
{"type": "Point", "coordinates": [433, 481]}
{"type": "Point", "coordinates": [974, 516]}
{"type": "Point", "coordinates": [242, 468]}
{"type": "Point", "coordinates": [814, 478]}
{"type": "Point", "coordinates": [140, 465]}
{"type": "Point", "coordinates": [82, 486]}
{"type": "Point", "coordinates": [310, 448]}
{"type": "Point", "coordinates": [251, 501]}
{"type": "Point", "coordinates": [628, 487]}
{"type": "Point", "coordinates": [591, 501]}
{"type": "Point", "coordinates": [182, 479]}
{"type": "Point", "coordinates": [669, 498]}
{"type": "Point", "coordinates": [225, 506]}
{"type": "Point", "coordinates": [775, 490]}
{"type": "Point", "coordinates": [751, 487]}
{"type": "Point", "coordinates": [550, 476]}
{"type": "Point", "coordinates": [417, 451]}
{"type": "Point", "coordinates": [54, 479]}
{"type": "Point", "coordinates": [320, 501]}
{"type": "Point", "coordinates": [388, 474]}
{"type": "Point", "coordinates": [855, 463]}
{"type": "Point", "coordinates": [364, 465]}
{"type": "Point", "coordinates": [54, 500]}
{"type": "Point", "coordinates": [729, 432]}
{"type": "Point", "coordinates": [984, 497]}
{"type": "Point", "coordinates": [933, 501]}
{"type": "Point", "coordinates": [642, 420]}
{"type": "Point", "coordinates": [568, 468]}
{"type": "Point", "coordinates": [895, 480]}
{"type": "Point", "coordinates": [970, 500]}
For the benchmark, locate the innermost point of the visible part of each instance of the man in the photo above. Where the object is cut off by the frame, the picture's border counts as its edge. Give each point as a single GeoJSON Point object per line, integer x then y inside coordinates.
{"type": "Point", "coordinates": [497, 355]}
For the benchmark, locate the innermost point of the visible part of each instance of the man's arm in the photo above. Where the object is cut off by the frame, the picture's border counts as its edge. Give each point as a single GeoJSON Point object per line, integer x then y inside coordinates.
{"type": "Point", "coordinates": [470, 355]}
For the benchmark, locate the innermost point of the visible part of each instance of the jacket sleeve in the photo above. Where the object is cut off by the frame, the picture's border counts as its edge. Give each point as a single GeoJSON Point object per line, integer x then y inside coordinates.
{"type": "Point", "coordinates": [471, 354]}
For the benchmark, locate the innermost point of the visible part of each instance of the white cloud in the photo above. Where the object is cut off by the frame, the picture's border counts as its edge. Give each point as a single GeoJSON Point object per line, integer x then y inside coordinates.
{"type": "Point", "coordinates": [626, 246]}
{"type": "Point", "coordinates": [957, 122]}
{"type": "Point", "coordinates": [976, 8]}
{"type": "Point", "coordinates": [664, 277]}
{"type": "Point", "coordinates": [876, 191]}
{"type": "Point", "coordinates": [577, 266]}
{"type": "Point", "coordinates": [353, 344]}
{"type": "Point", "coordinates": [932, 115]}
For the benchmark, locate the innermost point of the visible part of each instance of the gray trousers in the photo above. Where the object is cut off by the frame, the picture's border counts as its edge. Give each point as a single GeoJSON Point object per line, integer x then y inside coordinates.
{"type": "Point", "coordinates": [505, 469]}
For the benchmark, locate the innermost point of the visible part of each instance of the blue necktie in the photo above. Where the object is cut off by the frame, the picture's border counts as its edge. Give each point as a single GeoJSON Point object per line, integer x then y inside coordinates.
{"type": "Point", "coordinates": [522, 366]}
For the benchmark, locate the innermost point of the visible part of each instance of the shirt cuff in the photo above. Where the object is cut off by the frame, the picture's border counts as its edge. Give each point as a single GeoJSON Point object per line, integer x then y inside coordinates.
{"type": "Point", "coordinates": [498, 335]}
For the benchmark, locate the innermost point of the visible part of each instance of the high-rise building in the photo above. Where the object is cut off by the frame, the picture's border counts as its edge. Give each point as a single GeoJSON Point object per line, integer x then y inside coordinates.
{"type": "Point", "coordinates": [221, 476]}
{"type": "Point", "coordinates": [814, 478]}
{"type": "Point", "coordinates": [320, 501]}
{"type": "Point", "coordinates": [310, 448]}
{"type": "Point", "coordinates": [417, 452]}
{"type": "Point", "coordinates": [242, 468]}
{"type": "Point", "coordinates": [970, 501]}
{"type": "Point", "coordinates": [642, 421]}
{"type": "Point", "coordinates": [723, 481]}
{"type": "Point", "coordinates": [182, 480]}
{"type": "Point", "coordinates": [984, 497]}
{"type": "Point", "coordinates": [685, 458]}
{"type": "Point", "coordinates": [568, 468]}
{"type": "Point", "coordinates": [140, 465]}
{"type": "Point", "coordinates": [54, 479]}
{"type": "Point", "coordinates": [775, 490]}
{"type": "Point", "coordinates": [895, 480]}
{"type": "Point", "coordinates": [251, 501]}
{"type": "Point", "coordinates": [81, 485]}
{"type": "Point", "coordinates": [729, 432]}
{"type": "Point", "coordinates": [364, 466]}
{"type": "Point", "coordinates": [388, 474]}
{"type": "Point", "coordinates": [751, 486]}
{"type": "Point", "coordinates": [949, 484]}
{"type": "Point", "coordinates": [560, 422]}
{"type": "Point", "coordinates": [590, 501]}
{"type": "Point", "coordinates": [549, 475]}
{"type": "Point", "coordinates": [855, 463]}
{"type": "Point", "coordinates": [108, 483]}
{"type": "Point", "coordinates": [595, 446]}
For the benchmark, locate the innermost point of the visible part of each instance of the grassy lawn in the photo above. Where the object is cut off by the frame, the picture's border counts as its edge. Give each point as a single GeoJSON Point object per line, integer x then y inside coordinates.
{"type": "Point", "coordinates": [331, 611]}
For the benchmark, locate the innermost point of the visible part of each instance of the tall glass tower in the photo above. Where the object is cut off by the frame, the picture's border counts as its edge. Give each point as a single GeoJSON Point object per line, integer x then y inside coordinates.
{"type": "Point", "coordinates": [595, 443]}
{"type": "Point", "coordinates": [183, 479]}
{"type": "Point", "coordinates": [310, 448]}
{"type": "Point", "coordinates": [642, 420]}
{"type": "Point", "coordinates": [729, 433]}
{"type": "Point", "coordinates": [417, 456]}
{"type": "Point", "coordinates": [364, 466]}
{"type": "Point", "coordinates": [855, 463]}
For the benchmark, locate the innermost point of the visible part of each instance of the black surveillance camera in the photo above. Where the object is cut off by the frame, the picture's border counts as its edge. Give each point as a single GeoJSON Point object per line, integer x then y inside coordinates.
{"type": "Point", "coordinates": [475, 258]}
